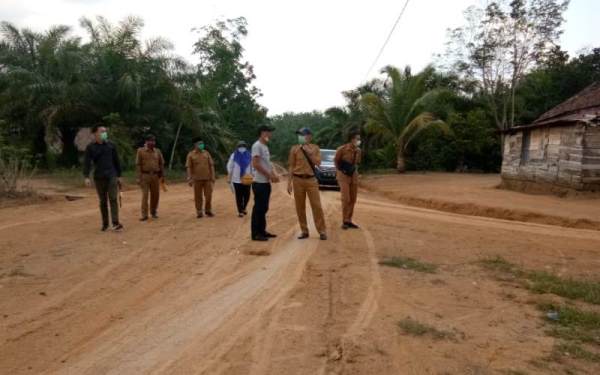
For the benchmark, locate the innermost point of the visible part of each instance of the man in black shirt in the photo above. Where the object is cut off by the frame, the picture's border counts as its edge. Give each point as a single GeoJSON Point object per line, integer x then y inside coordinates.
{"type": "Point", "coordinates": [107, 175]}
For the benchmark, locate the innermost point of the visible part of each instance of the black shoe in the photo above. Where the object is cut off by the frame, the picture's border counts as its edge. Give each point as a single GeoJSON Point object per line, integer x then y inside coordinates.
{"type": "Point", "coordinates": [199, 215]}
{"type": "Point", "coordinates": [117, 227]}
{"type": "Point", "coordinates": [270, 235]}
{"type": "Point", "coordinates": [323, 237]}
{"type": "Point", "coordinates": [144, 218]}
{"type": "Point", "coordinates": [245, 212]}
{"type": "Point", "coordinates": [353, 226]}
{"type": "Point", "coordinates": [155, 216]}
{"type": "Point", "coordinates": [260, 238]}
{"type": "Point", "coordinates": [345, 226]}
{"type": "Point", "coordinates": [303, 236]}
{"type": "Point", "coordinates": [104, 227]}
{"type": "Point", "coordinates": [241, 214]}
{"type": "Point", "coordinates": [210, 214]}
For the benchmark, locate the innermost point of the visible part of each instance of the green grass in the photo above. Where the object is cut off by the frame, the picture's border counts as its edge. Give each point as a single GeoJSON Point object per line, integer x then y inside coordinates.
{"type": "Point", "coordinates": [565, 349]}
{"type": "Point", "coordinates": [545, 282]}
{"type": "Point", "coordinates": [409, 264]}
{"type": "Point", "coordinates": [412, 327]}
{"type": "Point", "coordinates": [574, 324]}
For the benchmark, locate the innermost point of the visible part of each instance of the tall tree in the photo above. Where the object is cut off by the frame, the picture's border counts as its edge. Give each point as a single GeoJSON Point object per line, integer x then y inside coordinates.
{"type": "Point", "coordinates": [500, 44]}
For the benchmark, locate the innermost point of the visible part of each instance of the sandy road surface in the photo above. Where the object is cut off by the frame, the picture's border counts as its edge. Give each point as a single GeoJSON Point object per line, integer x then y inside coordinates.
{"type": "Point", "coordinates": [185, 296]}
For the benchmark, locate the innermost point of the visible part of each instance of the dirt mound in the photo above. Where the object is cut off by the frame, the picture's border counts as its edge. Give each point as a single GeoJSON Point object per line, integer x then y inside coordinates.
{"type": "Point", "coordinates": [489, 211]}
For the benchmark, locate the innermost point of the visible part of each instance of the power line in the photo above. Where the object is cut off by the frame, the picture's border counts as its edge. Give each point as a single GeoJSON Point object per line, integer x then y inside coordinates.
{"type": "Point", "coordinates": [387, 39]}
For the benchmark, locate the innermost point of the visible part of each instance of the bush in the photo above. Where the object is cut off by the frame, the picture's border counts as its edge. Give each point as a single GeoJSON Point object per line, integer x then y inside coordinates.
{"type": "Point", "coordinates": [15, 172]}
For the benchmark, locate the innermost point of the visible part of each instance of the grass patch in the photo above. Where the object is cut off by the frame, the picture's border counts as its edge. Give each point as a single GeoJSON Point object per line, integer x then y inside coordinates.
{"type": "Point", "coordinates": [574, 324]}
{"type": "Point", "coordinates": [408, 264]}
{"type": "Point", "coordinates": [412, 327]}
{"type": "Point", "coordinates": [576, 351]}
{"type": "Point", "coordinates": [545, 282]}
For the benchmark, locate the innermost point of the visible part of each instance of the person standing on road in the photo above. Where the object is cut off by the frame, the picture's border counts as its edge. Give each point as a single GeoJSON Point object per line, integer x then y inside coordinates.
{"type": "Point", "coordinates": [102, 154]}
{"type": "Point", "coordinates": [150, 166]}
{"type": "Point", "coordinates": [201, 176]}
{"type": "Point", "coordinates": [303, 160]}
{"type": "Point", "coordinates": [347, 158]}
{"type": "Point", "coordinates": [239, 173]}
{"type": "Point", "coordinates": [263, 176]}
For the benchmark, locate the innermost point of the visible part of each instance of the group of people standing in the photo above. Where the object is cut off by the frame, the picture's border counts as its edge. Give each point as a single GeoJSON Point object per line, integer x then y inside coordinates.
{"type": "Point", "coordinates": [249, 170]}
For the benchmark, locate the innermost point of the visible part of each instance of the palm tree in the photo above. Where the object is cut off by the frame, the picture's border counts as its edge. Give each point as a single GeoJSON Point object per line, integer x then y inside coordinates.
{"type": "Point", "coordinates": [398, 115]}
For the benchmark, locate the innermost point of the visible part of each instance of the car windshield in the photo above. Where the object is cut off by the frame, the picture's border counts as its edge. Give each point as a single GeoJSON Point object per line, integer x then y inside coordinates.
{"type": "Point", "coordinates": [327, 156]}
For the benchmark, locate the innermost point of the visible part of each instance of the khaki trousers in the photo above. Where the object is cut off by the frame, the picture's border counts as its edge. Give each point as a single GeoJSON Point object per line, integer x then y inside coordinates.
{"type": "Point", "coordinates": [203, 192]}
{"type": "Point", "coordinates": [304, 187]}
{"type": "Point", "coordinates": [349, 190]}
{"type": "Point", "coordinates": [150, 185]}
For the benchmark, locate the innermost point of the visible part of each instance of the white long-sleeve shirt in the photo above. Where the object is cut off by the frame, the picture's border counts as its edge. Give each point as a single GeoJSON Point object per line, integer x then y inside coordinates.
{"type": "Point", "coordinates": [233, 169]}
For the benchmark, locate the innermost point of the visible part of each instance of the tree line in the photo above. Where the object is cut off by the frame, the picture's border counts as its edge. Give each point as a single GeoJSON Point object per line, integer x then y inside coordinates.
{"type": "Point", "coordinates": [52, 84]}
{"type": "Point", "coordinates": [502, 68]}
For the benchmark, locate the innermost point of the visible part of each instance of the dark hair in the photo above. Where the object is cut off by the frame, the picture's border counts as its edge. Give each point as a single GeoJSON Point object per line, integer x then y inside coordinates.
{"type": "Point", "coordinates": [95, 128]}
{"type": "Point", "coordinates": [150, 137]}
{"type": "Point", "coordinates": [352, 135]}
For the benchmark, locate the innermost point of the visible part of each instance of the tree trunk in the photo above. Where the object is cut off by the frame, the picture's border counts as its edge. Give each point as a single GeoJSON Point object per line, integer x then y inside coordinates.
{"type": "Point", "coordinates": [400, 162]}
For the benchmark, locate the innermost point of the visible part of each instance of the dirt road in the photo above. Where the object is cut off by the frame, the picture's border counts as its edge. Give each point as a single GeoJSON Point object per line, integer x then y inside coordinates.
{"type": "Point", "coordinates": [185, 296]}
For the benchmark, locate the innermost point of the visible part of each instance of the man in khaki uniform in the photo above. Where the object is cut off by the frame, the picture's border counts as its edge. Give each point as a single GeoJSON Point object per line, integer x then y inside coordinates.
{"type": "Point", "coordinates": [150, 170]}
{"type": "Point", "coordinates": [201, 175]}
{"type": "Point", "coordinates": [303, 159]}
{"type": "Point", "coordinates": [347, 158]}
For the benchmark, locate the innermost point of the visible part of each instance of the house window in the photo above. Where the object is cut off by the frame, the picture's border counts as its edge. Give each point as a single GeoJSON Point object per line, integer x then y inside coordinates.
{"type": "Point", "coordinates": [525, 145]}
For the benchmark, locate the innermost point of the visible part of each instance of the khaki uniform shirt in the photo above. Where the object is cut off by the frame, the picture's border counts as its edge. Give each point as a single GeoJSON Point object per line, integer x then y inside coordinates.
{"type": "Point", "coordinates": [297, 163]}
{"type": "Point", "coordinates": [200, 165]}
{"type": "Point", "coordinates": [349, 153]}
{"type": "Point", "coordinates": [149, 161]}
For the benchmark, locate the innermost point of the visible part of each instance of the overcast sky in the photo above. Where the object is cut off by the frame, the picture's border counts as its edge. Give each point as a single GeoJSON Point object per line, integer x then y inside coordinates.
{"type": "Point", "coordinates": [305, 52]}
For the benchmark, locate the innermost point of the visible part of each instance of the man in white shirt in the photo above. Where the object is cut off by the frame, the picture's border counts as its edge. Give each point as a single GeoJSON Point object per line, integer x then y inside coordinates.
{"type": "Point", "coordinates": [263, 176]}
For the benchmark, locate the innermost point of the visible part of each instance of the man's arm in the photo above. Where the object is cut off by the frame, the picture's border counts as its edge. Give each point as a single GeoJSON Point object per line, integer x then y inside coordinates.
{"type": "Point", "coordinates": [230, 168]}
{"type": "Point", "coordinates": [317, 156]}
{"type": "Point", "coordinates": [188, 167]}
{"type": "Point", "coordinates": [161, 165]}
{"type": "Point", "coordinates": [256, 164]}
{"type": "Point", "coordinates": [87, 162]}
{"type": "Point", "coordinates": [338, 157]}
{"type": "Point", "coordinates": [291, 162]}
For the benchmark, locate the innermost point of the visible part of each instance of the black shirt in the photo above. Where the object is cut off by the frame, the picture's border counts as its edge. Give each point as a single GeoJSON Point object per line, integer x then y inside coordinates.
{"type": "Point", "coordinates": [105, 159]}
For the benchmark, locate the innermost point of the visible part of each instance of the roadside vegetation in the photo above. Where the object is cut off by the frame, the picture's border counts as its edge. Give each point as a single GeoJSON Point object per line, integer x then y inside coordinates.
{"type": "Point", "coordinates": [412, 327]}
{"type": "Point", "coordinates": [574, 322]}
{"type": "Point", "coordinates": [408, 264]}
{"type": "Point", "coordinates": [54, 83]}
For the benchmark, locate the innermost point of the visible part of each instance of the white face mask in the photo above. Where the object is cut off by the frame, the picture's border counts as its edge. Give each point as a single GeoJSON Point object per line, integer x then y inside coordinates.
{"type": "Point", "coordinates": [357, 143]}
{"type": "Point", "coordinates": [267, 139]}
{"type": "Point", "coordinates": [242, 149]}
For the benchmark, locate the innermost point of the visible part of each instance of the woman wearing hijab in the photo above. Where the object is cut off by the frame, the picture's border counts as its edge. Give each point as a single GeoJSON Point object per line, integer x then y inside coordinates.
{"type": "Point", "coordinates": [239, 170]}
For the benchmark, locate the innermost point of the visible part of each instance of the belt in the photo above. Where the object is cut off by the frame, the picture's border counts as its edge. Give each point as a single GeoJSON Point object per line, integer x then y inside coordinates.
{"type": "Point", "coordinates": [305, 176]}
{"type": "Point", "coordinates": [148, 172]}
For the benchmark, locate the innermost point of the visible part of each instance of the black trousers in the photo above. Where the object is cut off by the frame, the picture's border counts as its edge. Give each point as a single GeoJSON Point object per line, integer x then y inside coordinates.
{"type": "Point", "coordinates": [108, 191]}
{"type": "Point", "coordinates": [242, 196]}
{"type": "Point", "coordinates": [262, 194]}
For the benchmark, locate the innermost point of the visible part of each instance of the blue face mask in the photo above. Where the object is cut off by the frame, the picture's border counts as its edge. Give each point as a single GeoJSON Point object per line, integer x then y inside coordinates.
{"type": "Point", "coordinates": [104, 136]}
{"type": "Point", "coordinates": [242, 149]}
{"type": "Point", "coordinates": [201, 146]}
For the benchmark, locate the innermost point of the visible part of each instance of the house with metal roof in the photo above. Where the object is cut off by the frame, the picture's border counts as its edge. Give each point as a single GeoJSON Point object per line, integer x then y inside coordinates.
{"type": "Point", "coordinates": [559, 151]}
